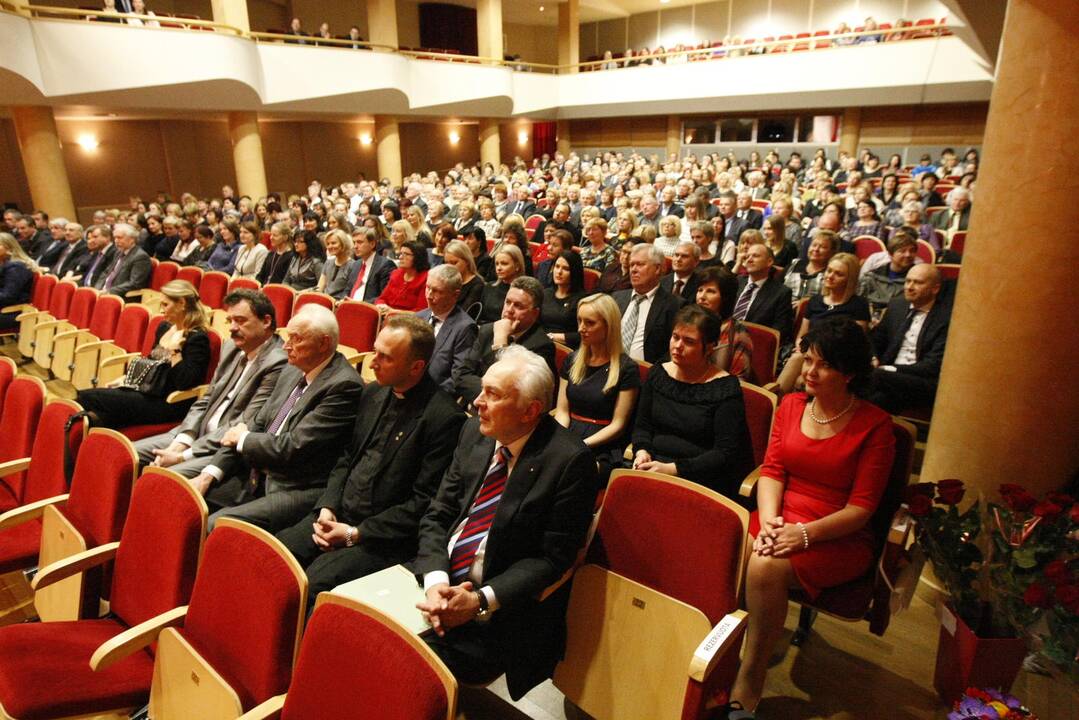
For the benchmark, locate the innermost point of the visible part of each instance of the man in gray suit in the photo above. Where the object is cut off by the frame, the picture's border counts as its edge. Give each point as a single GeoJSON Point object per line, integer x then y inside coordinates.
{"type": "Point", "coordinates": [243, 382]}
{"type": "Point", "coordinates": [272, 472]}
{"type": "Point", "coordinates": [131, 268]}
{"type": "Point", "coordinates": [454, 330]}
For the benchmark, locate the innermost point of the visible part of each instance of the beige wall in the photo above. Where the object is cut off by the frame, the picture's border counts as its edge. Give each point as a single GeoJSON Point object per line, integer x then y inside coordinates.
{"type": "Point", "coordinates": [534, 43]}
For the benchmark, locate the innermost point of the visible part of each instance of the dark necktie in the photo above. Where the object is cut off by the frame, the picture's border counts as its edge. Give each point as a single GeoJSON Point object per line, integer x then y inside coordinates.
{"type": "Point", "coordinates": [114, 272]}
{"type": "Point", "coordinates": [480, 517]}
{"type": "Point", "coordinates": [230, 384]}
{"type": "Point", "coordinates": [678, 285]}
{"type": "Point", "coordinates": [88, 279]}
{"type": "Point", "coordinates": [60, 261]}
{"type": "Point", "coordinates": [742, 308]}
{"type": "Point", "coordinates": [286, 408]}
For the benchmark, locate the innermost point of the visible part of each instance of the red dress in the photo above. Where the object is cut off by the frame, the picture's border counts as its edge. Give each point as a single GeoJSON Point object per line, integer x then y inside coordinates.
{"type": "Point", "coordinates": [404, 295]}
{"type": "Point", "coordinates": [823, 476]}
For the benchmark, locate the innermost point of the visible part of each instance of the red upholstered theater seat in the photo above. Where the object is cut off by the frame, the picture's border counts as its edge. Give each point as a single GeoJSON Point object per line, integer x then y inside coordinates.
{"type": "Point", "coordinates": [359, 323]}
{"type": "Point", "coordinates": [392, 674]}
{"type": "Point", "coordinates": [8, 368]}
{"type": "Point", "coordinates": [18, 423]}
{"type": "Point", "coordinates": [281, 297]}
{"type": "Point", "coordinates": [213, 288]}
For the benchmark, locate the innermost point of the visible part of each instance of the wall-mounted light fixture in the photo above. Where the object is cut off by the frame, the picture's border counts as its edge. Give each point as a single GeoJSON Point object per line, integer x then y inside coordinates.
{"type": "Point", "coordinates": [88, 142]}
{"type": "Point", "coordinates": [365, 139]}
{"type": "Point", "coordinates": [455, 137]}
{"type": "Point", "coordinates": [522, 138]}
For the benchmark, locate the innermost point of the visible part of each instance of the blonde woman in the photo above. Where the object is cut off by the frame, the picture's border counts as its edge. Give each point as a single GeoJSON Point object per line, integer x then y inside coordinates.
{"type": "Point", "coordinates": [183, 342]}
{"type": "Point", "coordinates": [422, 231]}
{"type": "Point", "coordinates": [251, 255]}
{"type": "Point", "coordinates": [16, 278]}
{"type": "Point", "coordinates": [459, 255]}
{"type": "Point", "coordinates": [599, 383]}
{"type": "Point", "coordinates": [626, 222]}
{"type": "Point", "coordinates": [670, 232]}
{"type": "Point", "coordinates": [509, 265]}
{"type": "Point", "coordinates": [466, 215]}
{"type": "Point", "coordinates": [335, 270]}
{"type": "Point", "coordinates": [838, 297]}
{"type": "Point", "coordinates": [400, 232]}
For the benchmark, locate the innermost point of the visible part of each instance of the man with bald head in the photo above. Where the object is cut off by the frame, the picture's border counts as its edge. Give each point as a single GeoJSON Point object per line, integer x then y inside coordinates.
{"type": "Point", "coordinates": [909, 343]}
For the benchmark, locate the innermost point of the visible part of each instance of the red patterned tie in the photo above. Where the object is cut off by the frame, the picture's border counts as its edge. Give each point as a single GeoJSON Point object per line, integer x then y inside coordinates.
{"type": "Point", "coordinates": [480, 517]}
{"type": "Point", "coordinates": [359, 281]}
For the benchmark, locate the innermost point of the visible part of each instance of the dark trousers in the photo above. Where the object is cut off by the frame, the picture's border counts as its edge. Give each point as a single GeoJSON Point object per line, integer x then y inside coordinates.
{"type": "Point", "coordinates": [327, 570]}
{"type": "Point", "coordinates": [470, 652]}
{"type": "Point", "coordinates": [898, 391]}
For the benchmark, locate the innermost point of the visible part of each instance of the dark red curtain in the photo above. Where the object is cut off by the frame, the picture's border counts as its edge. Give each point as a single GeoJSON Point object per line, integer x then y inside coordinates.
{"type": "Point", "coordinates": [543, 138]}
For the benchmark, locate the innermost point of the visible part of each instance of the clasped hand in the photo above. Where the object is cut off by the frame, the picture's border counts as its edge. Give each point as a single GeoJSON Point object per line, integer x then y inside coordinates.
{"type": "Point", "coordinates": [448, 606]}
{"type": "Point", "coordinates": [233, 434]}
{"type": "Point", "coordinates": [329, 533]}
{"type": "Point", "coordinates": [778, 539]}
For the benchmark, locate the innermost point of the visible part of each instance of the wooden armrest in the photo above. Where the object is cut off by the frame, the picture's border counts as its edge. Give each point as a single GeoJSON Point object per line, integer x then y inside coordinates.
{"type": "Point", "coordinates": [29, 511]}
{"type": "Point", "coordinates": [29, 314]}
{"type": "Point", "coordinates": [20, 308]}
{"type": "Point", "coordinates": [13, 466]}
{"type": "Point", "coordinates": [80, 562]}
{"type": "Point", "coordinates": [93, 346]}
{"type": "Point", "coordinates": [750, 483]}
{"type": "Point", "coordinates": [48, 324]}
{"type": "Point", "coordinates": [553, 587]}
{"type": "Point", "coordinates": [121, 360]}
{"type": "Point", "coordinates": [140, 292]}
{"type": "Point", "coordinates": [178, 396]}
{"type": "Point", "coordinates": [725, 636]}
{"type": "Point", "coordinates": [64, 334]}
{"type": "Point", "coordinates": [356, 359]}
{"type": "Point", "coordinates": [135, 638]}
{"type": "Point", "coordinates": [269, 709]}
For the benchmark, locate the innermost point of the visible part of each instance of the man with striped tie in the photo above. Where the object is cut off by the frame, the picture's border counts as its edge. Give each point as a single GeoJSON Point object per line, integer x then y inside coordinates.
{"type": "Point", "coordinates": [509, 518]}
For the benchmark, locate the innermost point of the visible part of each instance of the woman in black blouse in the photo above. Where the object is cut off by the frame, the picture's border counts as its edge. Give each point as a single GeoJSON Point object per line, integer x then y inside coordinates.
{"type": "Point", "coordinates": [509, 265]}
{"type": "Point", "coordinates": [691, 421]}
{"type": "Point", "coordinates": [558, 314]}
{"type": "Point", "coordinates": [181, 339]}
{"type": "Point", "coordinates": [599, 384]}
{"type": "Point", "coordinates": [459, 255]}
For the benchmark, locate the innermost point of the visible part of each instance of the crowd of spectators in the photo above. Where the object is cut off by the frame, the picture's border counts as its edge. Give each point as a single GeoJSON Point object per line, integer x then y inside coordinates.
{"type": "Point", "coordinates": [651, 273]}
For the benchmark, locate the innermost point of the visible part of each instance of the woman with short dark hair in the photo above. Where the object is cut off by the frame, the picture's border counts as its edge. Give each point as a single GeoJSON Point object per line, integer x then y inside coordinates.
{"type": "Point", "coordinates": [406, 287]}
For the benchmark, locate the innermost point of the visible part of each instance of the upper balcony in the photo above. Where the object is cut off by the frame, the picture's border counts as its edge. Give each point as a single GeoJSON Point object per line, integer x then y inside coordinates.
{"type": "Point", "coordinates": [56, 57]}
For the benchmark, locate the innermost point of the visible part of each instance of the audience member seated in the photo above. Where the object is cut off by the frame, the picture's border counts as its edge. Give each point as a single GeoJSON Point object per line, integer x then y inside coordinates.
{"type": "Point", "coordinates": [130, 267]}
{"type": "Point", "coordinates": [670, 234]}
{"type": "Point", "coordinates": [744, 209]}
{"type": "Point", "coordinates": [599, 384]}
{"type": "Point", "coordinates": [558, 316]}
{"type": "Point", "coordinates": [305, 268]}
{"type": "Point", "coordinates": [691, 419]}
{"type": "Point", "coordinates": [717, 289]}
{"type": "Point", "coordinates": [483, 588]}
{"type": "Point", "coordinates": [138, 7]}
{"type": "Point", "coordinates": [513, 233]}
{"type": "Point", "coordinates": [913, 218]}
{"type": "Point", "coordinates": [597, 254]}
{"type": "Point", "coordinates": [557, 242]}
{"type": "Point", "coordinates": [509, 265]}
{"type": "Point", "coordinates": [805, 276]}
{"type": "Point", "coordinates": [338, 265]}
{"type": "Point", "coordinates": [476, 240]}
{"type": "Point", "coordinates": [520, 205]}
{"type": "Point", "coordinates": [519, 325]}
{"type": "Point", "coordinates": [957, 217]}
{"type": "Point", "coordinates": [682, 280]}
{"type": "Point", "coordinates": [883, 283]}
{"type": "Point", "coordinates": [67, 262]}
{"type": "Point", "coordinates": [762, 297]}
{"type": "Point", "coordinates": [784, 251]}
{"type": "Point", "coordinates": [200, 256]}
{"type": "Point", "coordinates": [616, 276]}
{"type": "Point", "coordinates": [178, 361]}
{"type": "Point", "coordinates": [402, 441]}
{"type": "Point", "coordinates": [459, 255]}
{"type": "Point", "coordinates": [909, 344]}
{"type": "Point", "coordinates": [16, 278]}
{"type": "Point", "coordinates": [54, 244]}
{"type": "Point", "coordinates": [560, 221]}
{"type": "Point", "coordinates": [647, 309]}
{"type": "Point", "coordinates": [252, 253]}
{"type": "Point", "coordinates": [223, 258]}
{"type": "Point", "coordinates": [370, 272]}
{"type": "Point", "coordinates": [186, 240]}
{"type": "Point", "coordinates": [29, 236]}
{"type": "Point", "coordinates": [823, 476]}
{"type": "Point", "coordinates": [245, 377]}
{"type": "Point", "coordinates": [100, 252]}
{"type": "Point", "coordinates": [407, 284]}
{"type": "Point", "coordinates": [455, 332]}
{"type": "Point", "coordinates": [270, 473]}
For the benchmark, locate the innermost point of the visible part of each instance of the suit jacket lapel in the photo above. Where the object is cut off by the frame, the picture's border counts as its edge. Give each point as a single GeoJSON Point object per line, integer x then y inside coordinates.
{"type": "Point", "coordinates": [523, 477]}
{"type": "Point", "coordinates": [482, 452]}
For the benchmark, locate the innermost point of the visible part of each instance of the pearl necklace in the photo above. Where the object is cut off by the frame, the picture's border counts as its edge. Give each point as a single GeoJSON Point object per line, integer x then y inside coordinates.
{"type": "Point", "coordinates": [828, 421]}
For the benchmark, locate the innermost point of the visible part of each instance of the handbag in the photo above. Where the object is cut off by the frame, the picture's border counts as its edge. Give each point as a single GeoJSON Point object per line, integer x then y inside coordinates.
{"type": "Point", "coordinates": [148, 376]}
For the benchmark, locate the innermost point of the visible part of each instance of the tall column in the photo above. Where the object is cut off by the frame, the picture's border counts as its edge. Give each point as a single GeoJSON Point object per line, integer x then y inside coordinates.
{"type": "Point", "coordinates": [562, 138]}
{"type": "Point", "coordinates": [490, 142]}
{"type": "Point", "coordinates": [21, 6]}
{"type": "Point", "coordinates": [388, 148]}
{"type": "Point", "coordinates": [247, 154]}
{"type": "Point", "coordinates": [231, 12]}
{"type": "Point", "coordinates": [850, 131]}
{"type": "Point", "coordinates": [43, 160]}
{"type": "Point", "coordinates": [674, 135]}
{"type": "Point", "coordinates": [382, 21]}
{"type": "Point", "coordinates": [569, 33]}
{"type": "Point", "coordinates": [1004, 411]}
{"type": "Point", "coordinates": [489, 28]}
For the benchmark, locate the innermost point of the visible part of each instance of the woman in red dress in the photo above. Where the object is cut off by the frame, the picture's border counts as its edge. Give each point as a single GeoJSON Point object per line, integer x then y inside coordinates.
{"type": "Point", "coordinates": [826, 468]}
{"type": "Point", "coordinates": [408, 283]}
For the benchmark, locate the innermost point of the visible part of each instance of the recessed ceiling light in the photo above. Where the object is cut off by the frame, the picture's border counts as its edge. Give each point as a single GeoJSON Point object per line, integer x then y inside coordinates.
{"type": "Point", "coordinates": [664, 2]}
{"type": "Point", "coordinates": [542, 8]}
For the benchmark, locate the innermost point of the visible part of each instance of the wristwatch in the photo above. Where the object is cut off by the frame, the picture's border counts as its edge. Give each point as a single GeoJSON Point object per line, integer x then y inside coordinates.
{"type": "Point", "coordinates": [349, 536]}
{"type": "Point", "coordinates": [484, 611]}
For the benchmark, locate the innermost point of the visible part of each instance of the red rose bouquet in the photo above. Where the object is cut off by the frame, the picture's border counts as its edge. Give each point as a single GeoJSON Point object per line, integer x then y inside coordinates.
{"type": "Point", "coordinates": [1034, 572]}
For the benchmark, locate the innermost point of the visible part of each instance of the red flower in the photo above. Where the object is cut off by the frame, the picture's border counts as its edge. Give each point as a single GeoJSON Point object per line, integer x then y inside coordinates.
{"type": "Point", "coordinates": [1037, 595]}
{"type": "Point", "coordinates": [1017, 498]}
{"type": "Point", "coordinates": [926, 489]}
{"type": "Point", "coordinates": [1068, 596]}
{"type": "Point", "coordinates": [1057, 572]}
{"type": "Point", "coordinates": [1047, 509]}
{"type": "Point", "coordinates": [950, 492]}
{"type": "Point", "coordinates": [920, 505]}
{"type": "Point", "coordinates": [1074, 514]}
{"type": "Point", "coordinates": [1062, 499]}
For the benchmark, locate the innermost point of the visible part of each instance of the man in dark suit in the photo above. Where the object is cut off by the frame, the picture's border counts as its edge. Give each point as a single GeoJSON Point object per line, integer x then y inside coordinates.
{"type": "Point", "coordinates": [54, 244]}
{"type": "Point", "coordinates": [560, 221]}
{"type": "Point", "coordinates": [131, 266]}
{"type": "Point", "coordinates": [669, 204]}
{"type": "Point", "coordinates": [370, 271]}
{"type": "Point", "coordinates": [30, 238]}
{"type": "Point", "coordinates": [271, 473]}
{"type": "Point", "coordinates": [402, 442]}
{"type": "Point", "coordinates": [745, 211]}
{"type": "Point", "coordinates": [244, 380]}
{"type": "Point", "coordinates": [509, 518]}
{"type": "Point", "coordinates": [762, 298]}
{"type": "Point", "coordinates": [733, 226]}
{"type": "Point", "coordinates": [682, 281]}
{"type": "Point", "coordinates": [67, 262]}
{"type": "Point", "coordinates": [454, 329]}
{"type": "Point", "coordinates": [909, 343]}
{"type": "Point", "coordinates": [521, 204]}
{"type": "Point", "coordinates": [519, 325]}
{"type": "Point", "coordinates": [100, 252]}
{"type": "Point", "coordinates": [647, 309]}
